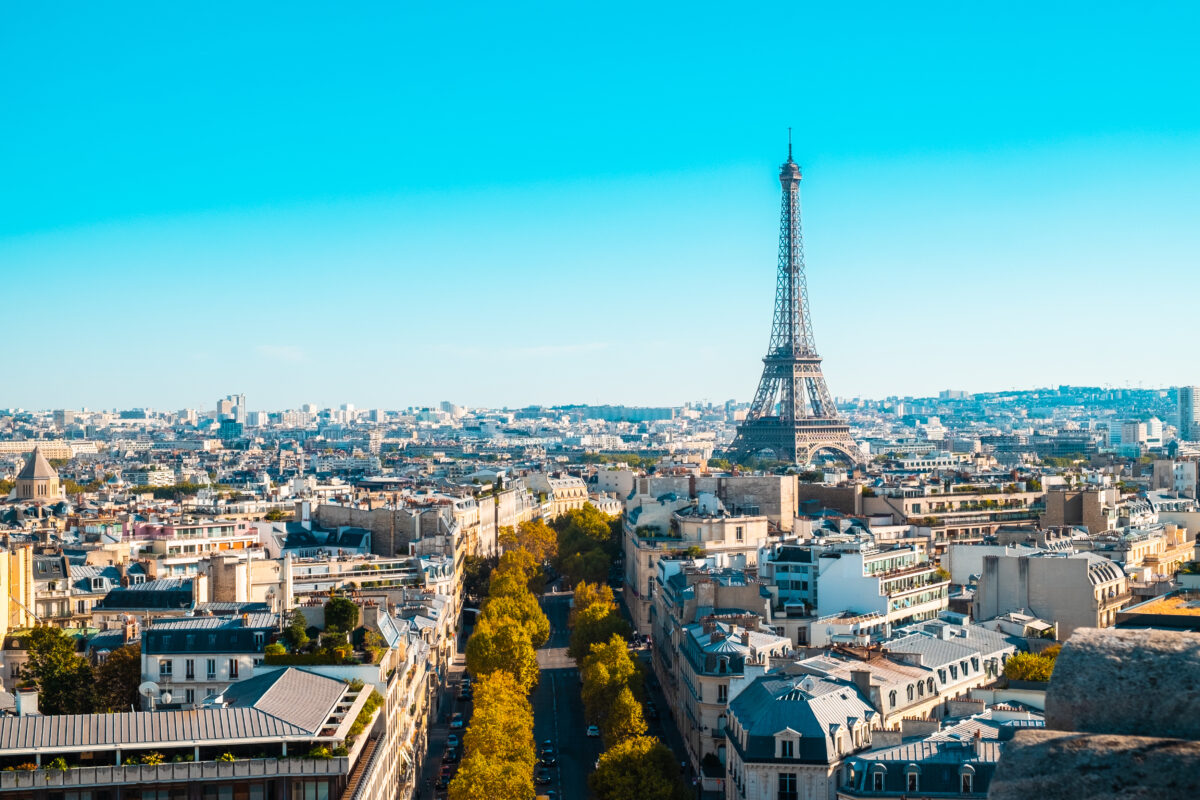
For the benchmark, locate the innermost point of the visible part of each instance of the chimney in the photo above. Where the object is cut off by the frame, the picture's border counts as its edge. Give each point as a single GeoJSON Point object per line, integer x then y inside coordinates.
{"type": "Point", "coordinates": [862, 679]}
{"type": "Point", "coordinates": [978, 742]}
{"type": "Point", "coordinates": [27, 703]}
{"type": "Point", "coordinates": [745, 637]}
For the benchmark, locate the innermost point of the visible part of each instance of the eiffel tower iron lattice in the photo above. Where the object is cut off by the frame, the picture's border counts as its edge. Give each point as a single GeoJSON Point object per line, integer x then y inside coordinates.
{"type": "Point", "coordinates": [793, 414]}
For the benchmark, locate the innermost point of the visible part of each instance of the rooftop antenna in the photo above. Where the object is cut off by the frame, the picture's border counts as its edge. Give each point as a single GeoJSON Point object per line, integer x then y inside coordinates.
{"type": "Point", "coordinates": [789, 143]}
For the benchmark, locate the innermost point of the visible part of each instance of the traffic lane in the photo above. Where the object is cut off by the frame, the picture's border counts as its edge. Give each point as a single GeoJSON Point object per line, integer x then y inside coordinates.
{"type": "Point", "coordinates": [559, 717]}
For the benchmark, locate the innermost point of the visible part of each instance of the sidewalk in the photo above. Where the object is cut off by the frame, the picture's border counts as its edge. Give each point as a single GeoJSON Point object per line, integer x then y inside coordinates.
{"type": "Point", "coordinates": [439, 729]}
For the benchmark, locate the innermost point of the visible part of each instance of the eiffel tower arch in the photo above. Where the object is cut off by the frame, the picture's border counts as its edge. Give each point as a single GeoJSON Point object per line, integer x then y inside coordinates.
{"type": "Point", "coordinates": [793, 414]}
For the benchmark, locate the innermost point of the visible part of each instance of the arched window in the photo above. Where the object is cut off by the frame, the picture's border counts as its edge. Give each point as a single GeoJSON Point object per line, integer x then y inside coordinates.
{"type": "Point", "coordinates": [920, 689]}
{"type": "Point", "coordinates": [912, 778]}
{"type": "Point", "coordinates": [892, 698]}
{"type": "Point", "coordinates": [877, 773]}
{"type": "Point", "coordinates": [930, 682]}
{"type": "Point", "coordinates": [966, 778]}
{"type": "Point", "coordinates": [910, 692]}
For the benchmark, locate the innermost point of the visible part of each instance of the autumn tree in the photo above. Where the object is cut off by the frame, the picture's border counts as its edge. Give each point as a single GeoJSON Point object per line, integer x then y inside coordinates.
{"type": "Point", "coordinates": [501, 726]}
{"type": "Point", "coordinates": [587, 594]}
{"type": "Point", "coordinates": [523, 609]}
{"type": "Point", "coordinates": [624, 719]}
{"type": "Point", "coordinates": [481, 778]}
{"type": "Point", "coordinates": [118, 678]}
{"type": "Point", "coordinates": [595, 624]}
{"type": "Point", "coordinates": [477, 571]}
{"type": "Point", "coordinates": [1036, 667]}
{"type": "Point", "coordinates": [517, 571]}
{"type": "Point", "coordinates": [64, 679]}
{"type": "Point", "coordinates": [606, 671]}
{"type": "Point", "coordinates": [503, 645]}
{"type": "Point", "coordinates": [640, 768]}
{"type": "Point", "coordinates": [534, 536]}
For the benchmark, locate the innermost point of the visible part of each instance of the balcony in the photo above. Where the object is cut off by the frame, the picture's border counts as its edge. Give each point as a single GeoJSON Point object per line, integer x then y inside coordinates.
{"type": "Point", "coordinates": [188, 772]}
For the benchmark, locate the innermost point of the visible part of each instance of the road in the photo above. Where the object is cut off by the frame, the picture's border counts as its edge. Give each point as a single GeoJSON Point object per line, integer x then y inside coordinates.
{"type": "Point", "coordinates": [558, 708]}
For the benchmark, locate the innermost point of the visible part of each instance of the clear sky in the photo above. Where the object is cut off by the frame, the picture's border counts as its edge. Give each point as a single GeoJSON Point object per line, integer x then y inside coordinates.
{"type": "Point", "coordinates": [501, 204]}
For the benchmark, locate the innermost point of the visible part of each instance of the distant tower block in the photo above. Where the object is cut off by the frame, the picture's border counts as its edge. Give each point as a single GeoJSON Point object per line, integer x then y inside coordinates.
{"type": "Point", "coordinates": [793, 416]}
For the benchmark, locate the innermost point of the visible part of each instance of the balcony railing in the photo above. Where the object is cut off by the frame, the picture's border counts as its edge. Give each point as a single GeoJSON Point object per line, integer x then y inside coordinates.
{"type": "Point", "coordinates": [188, 772]}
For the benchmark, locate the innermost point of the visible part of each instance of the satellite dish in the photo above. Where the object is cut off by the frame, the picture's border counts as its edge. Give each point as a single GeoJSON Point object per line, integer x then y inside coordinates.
{"type": "Point", "coordinates": [148, 689]}
{"type": "Point", "coordinates": [166, 698]}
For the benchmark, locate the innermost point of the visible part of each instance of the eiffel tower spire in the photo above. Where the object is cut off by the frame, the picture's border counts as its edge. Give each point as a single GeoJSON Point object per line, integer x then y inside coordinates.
{"type": "Point", "coordinates": [793, 414]}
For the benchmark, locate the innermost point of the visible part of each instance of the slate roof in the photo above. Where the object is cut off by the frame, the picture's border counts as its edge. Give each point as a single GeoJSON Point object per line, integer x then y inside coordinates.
{"type": "Point", "coordinates": [36, 468]}
{"type": "Point", "coordinates": [162, 594]}
{"type": "Point", "coordinates": [809, 705]}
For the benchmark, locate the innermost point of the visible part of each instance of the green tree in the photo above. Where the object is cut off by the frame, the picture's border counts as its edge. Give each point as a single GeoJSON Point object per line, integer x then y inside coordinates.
{"type": "Point", "coordinates": [476, 573]}
{"type": "Point", "coordinates": [594, 625]}
{"type": "Point", "coordinates": [590, 565]}
{"type": "Point", "coordinates": [584, 528]}
{"type": "Point", "coordinates": [1037, 667]}
{"type": "Point", "coordinates": [64, 680]}
{"type": "Point", "coordinates": [503, 645]}
{"type": "Point", "coordinates": [118, 678]}
{"type": "Point", "coordinates": [523, 609]}
{"type": "Point", "coordinates": [523, 567]}
{"type": "Point", "coordinates": [720, 463]}
{"type": "Point", "coordinates": [295, 635]}
{"type": "Point", "coordinates": [341, 614]}
{"type": "Point", "coordinates": [605, 671]}
{"type": "Point", "coordinates": [6, 487]}
{"type": "Point", "coordinates": [641, 768]}
{"type": "Point", "coordinates": [277, 515]}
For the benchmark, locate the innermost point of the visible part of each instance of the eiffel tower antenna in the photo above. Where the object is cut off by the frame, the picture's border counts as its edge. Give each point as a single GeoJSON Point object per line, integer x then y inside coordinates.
{"type": "Point", "coordinates": [793, 415]}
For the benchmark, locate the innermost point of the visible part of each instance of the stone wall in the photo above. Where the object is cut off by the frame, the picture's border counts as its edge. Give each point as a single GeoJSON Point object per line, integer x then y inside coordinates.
{"type": "Point", "coordinates": [1122, 722]}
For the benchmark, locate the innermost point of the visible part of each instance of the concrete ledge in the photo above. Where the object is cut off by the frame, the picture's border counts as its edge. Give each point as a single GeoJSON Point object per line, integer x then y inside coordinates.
{"type": "Point", "coordinates": [1135, 682]}
{"type": "Point", "coordinates": [1052, 765]}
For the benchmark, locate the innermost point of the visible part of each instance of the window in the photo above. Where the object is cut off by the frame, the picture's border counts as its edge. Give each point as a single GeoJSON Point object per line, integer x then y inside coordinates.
{"type": "Point", "coordinates": [722, 694]}
{"type": "Point", "coordinates": [212, 668]}
{"type": "Point", "coordinates": [260, 640]}
{"type": "Point", "coordinates": [233, 668]}
{"type": "Point", "coordinates": [930, 683]}
{"type": "Point", "coordinates": [953, 672]}
{"type": "Point", "coordinates": [920, 689]}
{"type": "Point", "coordinates": [787, 749]}
{"type": "Point", "coordinates": [164, 667]}
{"type": "Point", "coordinates": [189, 695]}
{"type": "Point", "coordinates": [910, 692]}
{"type": "Point", "coordinates": [189, 667]}
{"type": "Point", "coordinates": [97, 584]}
{"type": "Point", "coordinates": [80, 607]}
{"type": "Point", "coordinates": [877, 781]}
{"type": "Point", "coordinates": [787, 786]}
{"type": "Point", "coordinates": [738, 533]}
{"type": "Point", "coordinates": [911, 782]}
{"type": "Point", "coordinates": [892, 698]}
{"type": "Point", "coordinates": [968, 783]}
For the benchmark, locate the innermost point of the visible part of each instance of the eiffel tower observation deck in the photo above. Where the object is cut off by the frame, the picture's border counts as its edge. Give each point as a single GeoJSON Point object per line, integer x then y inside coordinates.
{"type": "Point", "coordinates": [793, 416]}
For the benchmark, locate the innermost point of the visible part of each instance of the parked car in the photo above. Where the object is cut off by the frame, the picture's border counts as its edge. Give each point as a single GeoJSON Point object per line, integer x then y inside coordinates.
{"type": "Point", "coordinates": [457, 720]}
{"type": "Point", "coordinates": [450, 756]}
{"type": "Point", "coordinates": [452, 740]}
{"type": "Point", "coordinates": [593, 731]}
{"type": "Point", "coordinates": [546, 755]}
{"type": "Point", "coordinates": [542, 777]}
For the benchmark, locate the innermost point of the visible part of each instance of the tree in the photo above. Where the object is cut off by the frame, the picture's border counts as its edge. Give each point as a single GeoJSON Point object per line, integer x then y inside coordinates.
{"type": "Point", "coordinates": [624, 720]}
{"type": "Point", "coordinates": [535, 536]}
{"type": "Point", "coordinates": [523, 568]}
{"type": "Point", "coordinates": [482, 778]}
{"type": "Point", "coordinates": [341, 614]}
{"type": "Point", "coordinates": [585, 565]}
{"type": "Point", "coordinates": [503, 646]}
{"type": "Point", "coordinates": [587, 594]}
{"type": "Point", "coordinates": [584, 528]}
{"type": "Point", "coordinates": [6, 487]}
{"type": "Point", "coordinates": [276, 515]}
{"type": "Point", "coordinates": [476, 572]}
{"type": "Point", "coordinates": [641, 768]}
{"type": "Point", "coordinates": [64, 680]}
{"type": "Point", "coordinates": [606, 671]}
{"type": "Point", "coordinates": [501, 726]}
{"type": "Point", "coordinates": [296, 633]}
{"type": "Point", "coordinates": [118, 678]}
{"type": "Point", "coordinates": [1036, 667]}
{"type": "Point", "coordinates": [522, 609]}
{"type": "Point", "coordinates": [595, 624]}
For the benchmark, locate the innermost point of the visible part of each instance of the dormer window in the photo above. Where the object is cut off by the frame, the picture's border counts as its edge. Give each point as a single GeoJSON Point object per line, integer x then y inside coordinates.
{"type": "Point", "coordinates": [97, 584]}
{"type": "Point", "coordinates": [136, 579]}
{"type": "Point", "coordinates": [787, 749]}
{"type": "Point", "coordinates": [912, 778]}
{"type": "Point", "coordinates": [892, 699]}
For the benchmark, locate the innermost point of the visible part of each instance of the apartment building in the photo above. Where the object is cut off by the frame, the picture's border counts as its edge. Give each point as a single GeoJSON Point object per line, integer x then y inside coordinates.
{"type": "Point", "coordinates": [192, 659]}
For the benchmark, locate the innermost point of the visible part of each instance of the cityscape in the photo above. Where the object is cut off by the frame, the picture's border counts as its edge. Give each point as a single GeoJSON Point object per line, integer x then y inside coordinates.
{"type": "Point", "coordinates": [239, 560]}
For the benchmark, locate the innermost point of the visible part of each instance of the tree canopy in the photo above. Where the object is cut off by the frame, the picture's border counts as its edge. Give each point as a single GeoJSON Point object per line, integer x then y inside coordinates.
{"type": "Point", "coordinates": [639, 768]}
{"type": "Point", "coordinates": [534, 536]}
{"type": "Point", "coordinates": [341, 614]}
{"type": "Point", "coordinates": [1036, 667]}
{"type": "Point", "coordinates": [296, 633]}
{"type": "Point", "coordinates": [593, 625]}
{"type": "Point", "coordinates": [587, 594]}
{"type": "Point", "coordinates": [523, 609]}
{"type": "Point", "coordinates": [118, 678]}
{"type": "Point", "coordinates": [503, 645]}
{"type": "Point", "coordinates": [64, 679]}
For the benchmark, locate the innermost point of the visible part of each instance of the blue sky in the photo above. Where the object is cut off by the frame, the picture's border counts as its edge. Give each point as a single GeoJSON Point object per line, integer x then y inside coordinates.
{"type": "Point", "coordinates": [395, 203]}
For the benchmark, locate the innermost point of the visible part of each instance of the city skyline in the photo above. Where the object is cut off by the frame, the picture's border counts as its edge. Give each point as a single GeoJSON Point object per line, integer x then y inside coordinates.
{"type": "Point", "coordinates": [397, 224]}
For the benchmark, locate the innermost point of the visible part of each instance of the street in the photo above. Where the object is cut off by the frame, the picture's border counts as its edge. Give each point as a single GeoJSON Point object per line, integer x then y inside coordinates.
{"type": "Point", "coordinates": [558, 708]}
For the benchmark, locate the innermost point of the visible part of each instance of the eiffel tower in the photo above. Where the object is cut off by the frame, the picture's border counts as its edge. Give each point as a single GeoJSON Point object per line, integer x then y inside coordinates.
{"type": "Point", "coordinates": [793, 414]}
